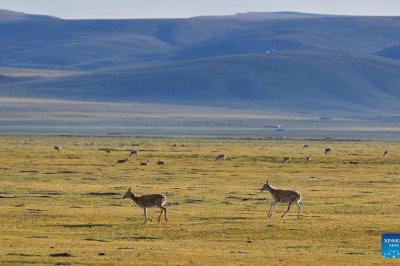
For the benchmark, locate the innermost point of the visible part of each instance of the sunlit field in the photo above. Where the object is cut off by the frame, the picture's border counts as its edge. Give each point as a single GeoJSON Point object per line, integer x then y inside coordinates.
{"type": "Point", "coordinates": [66, 207]}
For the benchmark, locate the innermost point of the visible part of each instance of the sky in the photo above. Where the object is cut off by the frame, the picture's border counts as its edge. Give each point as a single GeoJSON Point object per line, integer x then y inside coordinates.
{"type": "Point", "coordinates": [81, 9]}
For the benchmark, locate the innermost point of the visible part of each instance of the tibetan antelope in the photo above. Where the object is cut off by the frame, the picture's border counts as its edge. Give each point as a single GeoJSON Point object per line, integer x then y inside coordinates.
{"type": "Point", "coordinates": [306, 146]}
{"type": "Point", "coordinates": [328, 150]}
{"type": "Point", "coordinates": [309, 158]}
{"type": "Point", "coordinates": [122, 161]}
{"type": "Point", "coordinates": [145, 163]}
{"type": "Point", "coordinates": [134, 153]}
{"type": "Point", "coordinates": [57, 148]}
{"type": "Point", "coordinates": [148, 201]}
{"type": "Point", "coordinates": [286, 159]}
{"type": "Point", "coordinates": [221, 157]}
{"type": "Point", "coordinates": [282, 196]}
{"type": "Point", "coordinates": [174, 146]}
{"type": "Point", "coordinates": [386, 153]}
{"type": "Point", "coordinates": [160, 162]}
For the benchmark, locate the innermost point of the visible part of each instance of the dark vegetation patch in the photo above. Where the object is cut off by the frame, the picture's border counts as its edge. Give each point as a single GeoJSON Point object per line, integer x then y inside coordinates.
{"type": "Point", "coordinates": [81, 225]}
{"type": "Point", "coordinates": [68, 172]}
{"type": "Point", "coordinates": [96, 240]}
{"type": "Point", "coordinates": [54, 193]}
{"type": "Point", "coordinates": [61, 254]}
{"type": "Point", "coordinates": [139, 238]}
{"type": "Point", "coordinates": [22, 255]}
{"type": "Point", "coordinates": [89, 178]}
{"type": "Point", "coordinates": [40, 237]}
{"type": "Point", "coordinates": [172, 203]}
{"type": "Point", "coordinates": [107, 149]}
{"type": "Point", "coordinates": [35, 210]}
{"type": "Point", "coordinates": [355, 253]}
{"type": "Point", "coordinates": [101, 194]}
{"type": "Point", "coordinates": [194, 201]}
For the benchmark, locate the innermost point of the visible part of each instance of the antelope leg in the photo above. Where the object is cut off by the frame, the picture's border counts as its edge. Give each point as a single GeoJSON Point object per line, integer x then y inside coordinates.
{"type": "Point", "coordinates": [288, 208]}
{"type": "Point", "coordinates": [298, 209]}
{"type": "Point", "coordinates": [145, 215]}
{"type": "Point", "coordinates": [272, 208]}
{"type": "Point", "coordinates": [165, 213]}
{"type": "Point", "coordinates": [160, 214]}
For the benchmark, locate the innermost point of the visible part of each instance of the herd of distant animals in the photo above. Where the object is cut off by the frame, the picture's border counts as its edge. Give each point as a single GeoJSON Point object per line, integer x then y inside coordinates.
{"type": "Point", "coordinates": [159, 200]}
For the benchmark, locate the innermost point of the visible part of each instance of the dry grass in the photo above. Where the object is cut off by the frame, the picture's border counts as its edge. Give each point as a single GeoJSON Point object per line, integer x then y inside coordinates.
{"type": "Point", "coordinates": [70, 202]}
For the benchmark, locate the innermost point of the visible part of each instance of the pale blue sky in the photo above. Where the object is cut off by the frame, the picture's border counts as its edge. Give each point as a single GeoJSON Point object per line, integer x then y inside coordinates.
{"type": "Point", "coordinates": [189, 8]}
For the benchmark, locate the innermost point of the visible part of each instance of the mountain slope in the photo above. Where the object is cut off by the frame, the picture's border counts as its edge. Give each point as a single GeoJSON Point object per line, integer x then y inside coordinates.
{"type": "Point", "coordinates": [391, 52]}
{"type": "Point", "coordinates": [305, 82]}
{"type": "Point", "coordinates": [274, 61]}
{"type": "Point", "coordinates": [92, 44]}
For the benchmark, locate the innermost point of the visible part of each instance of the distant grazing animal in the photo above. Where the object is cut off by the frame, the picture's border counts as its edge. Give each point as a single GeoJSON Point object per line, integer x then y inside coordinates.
{"type": "Point", "coordinates": [174, 146]}
{"type": "Point", "coordinates": [328, 150]}
{"type": "Point", "coordinates": [221, 157]}
{"type": "Point", "coordinates": [309, 158]}
{"type": "Point", "coordinates": [282, 196]}
{"type": "Point", "coordinates": [160, 162]}
{"type": "Point", "coordinates": [286, 159]}
{"type": "Point", "coordinates": [134, 153]}
{"type": "Point", "coordinates": [122, 161]}
{"type": "Point", "coordinates": [57, 148]}
{"type": "Point", "coordinates": [145, 163]}
{"type": "Point", "coordinates": [108, 151]}
{"type": "Point", "coordinates": [386, 153]}
{"type": "Point", "coordinates": [306, 146]}
{"type": "Point", "coordinates": [92, 143]}
{"type": "Point", "coordinates": [148, 201]}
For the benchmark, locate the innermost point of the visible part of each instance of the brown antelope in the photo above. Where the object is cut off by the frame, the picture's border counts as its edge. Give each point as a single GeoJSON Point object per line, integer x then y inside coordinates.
{"type": "Point", "coordinates": [221, 157]}
{"type": "Point", "coordinates": [148, 201]}
{"type": "Point", "coordinates": [145, 163]}
{"type": "Point", "coordinates": [174, 146]}
{"type": "Point", "coordinates": [386, 153]}
{"type": "Point", "coordinates": [57, 148]}
{"type": "Point", "coordinates": [309, 158]}
{"type": "Point", "coordinates": [134, 153]}
{"type": "Point", "coordinates": [122, 161]}
{"type": "Point", "coordinates": [306, 146]}
{"type": "Point", "coordinates": [284, 196]}
{"type": "Point", "coordinates": [328, 150]}
{"type": "Point", "coordinates": [286, 159]}
{"type": "Point", "coordinates": [160, 162]}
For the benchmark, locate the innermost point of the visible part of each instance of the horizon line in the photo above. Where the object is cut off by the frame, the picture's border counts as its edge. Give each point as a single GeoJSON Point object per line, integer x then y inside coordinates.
{"type": "Point", "coordinates": [198, 16]}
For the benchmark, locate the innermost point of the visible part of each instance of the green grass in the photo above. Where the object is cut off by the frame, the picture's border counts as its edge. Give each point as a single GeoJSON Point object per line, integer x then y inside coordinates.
{"type": "Point", "coordinates": [71, 202]}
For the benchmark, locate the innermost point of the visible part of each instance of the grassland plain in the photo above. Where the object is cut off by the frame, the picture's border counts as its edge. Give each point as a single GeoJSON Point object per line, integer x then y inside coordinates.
{"type": "Point", "coordinates": [71, 202]}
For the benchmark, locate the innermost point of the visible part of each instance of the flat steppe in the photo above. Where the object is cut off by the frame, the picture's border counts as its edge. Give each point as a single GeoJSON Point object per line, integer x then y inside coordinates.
{"type": "Point", "coordinates": [66, 207]}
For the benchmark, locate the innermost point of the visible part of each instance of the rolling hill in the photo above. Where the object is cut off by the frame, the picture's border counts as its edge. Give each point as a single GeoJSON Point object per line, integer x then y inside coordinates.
{"type": "Point", "coordinates": [286, 61]}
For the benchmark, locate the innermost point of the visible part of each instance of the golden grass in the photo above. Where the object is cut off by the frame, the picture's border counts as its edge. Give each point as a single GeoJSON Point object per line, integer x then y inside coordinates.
{"type": "Point", "coordinates": [48, 202]}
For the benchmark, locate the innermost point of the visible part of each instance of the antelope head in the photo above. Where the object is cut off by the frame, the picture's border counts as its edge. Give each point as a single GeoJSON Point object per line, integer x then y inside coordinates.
{"type": "Point", "coordinates": [266, 187]}
{"type": "Point", "coordinates": [128, 194]}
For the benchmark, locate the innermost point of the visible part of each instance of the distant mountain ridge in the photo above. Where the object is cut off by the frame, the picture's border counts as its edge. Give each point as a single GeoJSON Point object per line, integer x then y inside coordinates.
{"type": "Point", "coordinates": [283, 61]}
